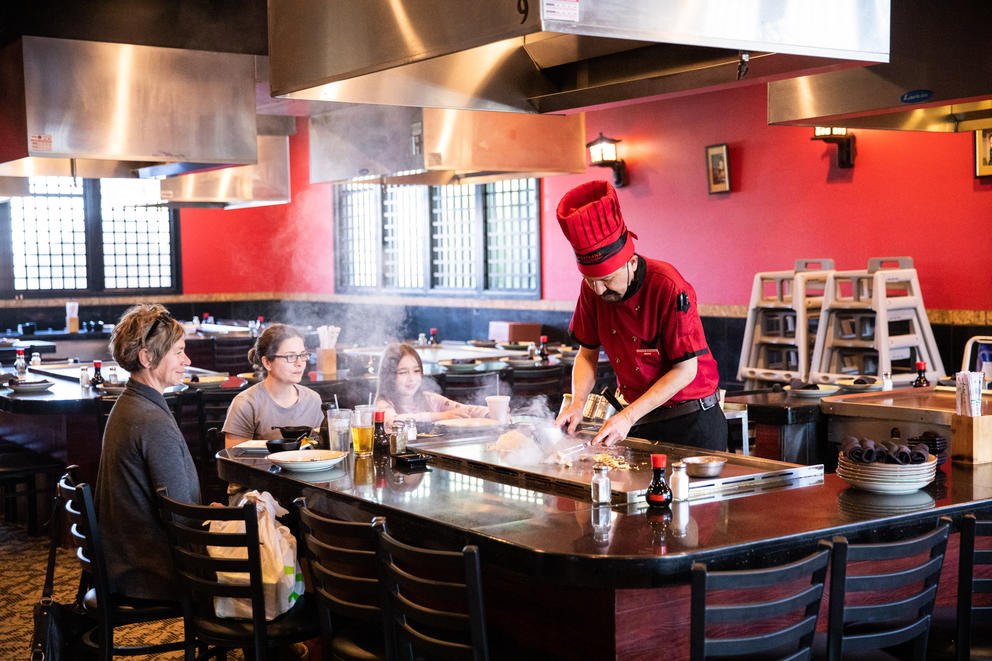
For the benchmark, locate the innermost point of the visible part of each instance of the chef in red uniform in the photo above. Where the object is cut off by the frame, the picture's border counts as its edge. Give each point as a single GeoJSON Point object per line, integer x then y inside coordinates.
{"type": "Point", "coordinates": [644, 314]}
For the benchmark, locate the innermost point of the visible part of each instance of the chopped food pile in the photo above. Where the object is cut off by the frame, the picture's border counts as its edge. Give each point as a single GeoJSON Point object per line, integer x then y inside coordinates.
{"type": "Point", "coordinates": [612, 462]}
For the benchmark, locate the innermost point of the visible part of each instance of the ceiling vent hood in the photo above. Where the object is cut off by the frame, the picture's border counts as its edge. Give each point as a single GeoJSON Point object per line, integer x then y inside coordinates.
{"type": "Point", "coordinates": [556, 55]}
{"type": "Point", "coordinates": [937, 78]}
{"type": "Point", "coordinates": [433, 146]}
{"type": "Point", "coordinates": [262, 184]}
{"type": "Point", "coordinates": [94, 109]}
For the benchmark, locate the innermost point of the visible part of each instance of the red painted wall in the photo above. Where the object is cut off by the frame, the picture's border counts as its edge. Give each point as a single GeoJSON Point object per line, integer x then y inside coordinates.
{"type": "Point", "coordinates": [909, 194]}
{"type": "Point", "coordinates": [281, 248]}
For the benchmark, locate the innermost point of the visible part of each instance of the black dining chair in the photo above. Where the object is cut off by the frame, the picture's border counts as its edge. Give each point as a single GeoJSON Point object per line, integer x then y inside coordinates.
{"type": "Point", "coordinates": [342, 559]}
{"type": "Point", "coordinates": [954, 634]}
{"type": "Point", "coordinates": [888, 601]}
{"type": "Point", "coordinates": [196, 571]}
{"type": "Point", "coordinates": [432, 601]}
{"type": "Point", "coordinates": [101, 601]}
{"type": "Point", "coordinates": [769, 612]}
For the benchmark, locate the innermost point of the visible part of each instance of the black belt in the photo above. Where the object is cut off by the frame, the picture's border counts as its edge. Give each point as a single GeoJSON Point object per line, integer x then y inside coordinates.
{"type": "Point", "coordinates": [678, 410]}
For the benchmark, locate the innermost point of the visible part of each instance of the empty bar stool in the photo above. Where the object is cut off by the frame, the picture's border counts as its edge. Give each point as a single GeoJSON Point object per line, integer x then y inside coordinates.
{"type": "Point", "coordinates": [783, 602]}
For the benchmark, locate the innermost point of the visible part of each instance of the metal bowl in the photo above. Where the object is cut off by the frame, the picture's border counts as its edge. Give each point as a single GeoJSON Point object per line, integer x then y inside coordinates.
{"type": "Point", "coordinates": [704, 466]}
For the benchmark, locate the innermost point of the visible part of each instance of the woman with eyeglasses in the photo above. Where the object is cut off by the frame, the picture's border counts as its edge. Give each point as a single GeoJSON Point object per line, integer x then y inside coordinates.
{"type": "Point", "coordinates": [402, 395]}
{"type": "Point", "coordinates": [143, 450]}
{"type": "Point", "coordinates": [279, 400]}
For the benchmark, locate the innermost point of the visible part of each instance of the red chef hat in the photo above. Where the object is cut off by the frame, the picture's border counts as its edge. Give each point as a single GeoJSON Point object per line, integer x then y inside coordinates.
{"type": "Point", "coordinates": [590, 218]}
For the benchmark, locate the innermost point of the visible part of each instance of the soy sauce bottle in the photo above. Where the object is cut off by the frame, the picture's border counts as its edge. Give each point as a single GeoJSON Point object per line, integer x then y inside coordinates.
{"type": "Point", "coordinates": [659, 496]}
{"type": "Point", "coordinates": [542, 351]}
{"type": "Point", "coordinates": [921, 375]}
{"type": "Point", "coordinates": [432, 340]}
{"type": "Point", "coordinates": [97, 377]}
{"type": "Point", "coordinates": [380, 439]}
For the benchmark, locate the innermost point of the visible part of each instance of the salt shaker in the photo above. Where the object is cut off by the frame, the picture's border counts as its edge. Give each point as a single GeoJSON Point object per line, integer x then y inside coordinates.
{"type": "Point", "coordinates": [84, 377]}
{"type": "Point", "coordinates": [35, 359]}
{"type": "Point", "coordinates": [679, 482]}
{"type": "Point", "coordinates": [600, 485]}
{"type": "Point", "coordinates": [112, 375]}
{"type": "Point", "coordinates": [886, 380]}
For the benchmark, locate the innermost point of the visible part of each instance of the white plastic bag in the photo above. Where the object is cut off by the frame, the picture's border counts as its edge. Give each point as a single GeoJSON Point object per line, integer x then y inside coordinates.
{"type": "Point", "coordinates": [283, 582]}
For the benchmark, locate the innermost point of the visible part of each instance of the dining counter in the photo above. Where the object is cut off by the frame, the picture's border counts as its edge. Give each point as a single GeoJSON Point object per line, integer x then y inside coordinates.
{"type": "Point", "coordinates": [556, 559]}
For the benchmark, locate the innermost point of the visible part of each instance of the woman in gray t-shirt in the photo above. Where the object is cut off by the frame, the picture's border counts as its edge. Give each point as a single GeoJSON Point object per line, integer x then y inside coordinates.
{"type": "Point", "coordinates": [279, 400]}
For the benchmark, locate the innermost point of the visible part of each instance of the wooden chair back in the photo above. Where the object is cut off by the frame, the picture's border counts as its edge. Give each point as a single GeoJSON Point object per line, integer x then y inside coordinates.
{"type": "Point", "coordinates": [776, 606]}
{"type": "Point", "coordinates": [433, 600]}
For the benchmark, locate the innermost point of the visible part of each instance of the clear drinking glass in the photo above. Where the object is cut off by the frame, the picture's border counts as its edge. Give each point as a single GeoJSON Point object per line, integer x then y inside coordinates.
{"type": "Point", "coordinates": [339, 429]}
{"type": "Point", "coordinates": [361, 430]}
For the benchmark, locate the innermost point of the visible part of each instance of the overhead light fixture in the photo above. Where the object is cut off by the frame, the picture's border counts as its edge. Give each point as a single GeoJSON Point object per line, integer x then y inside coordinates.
{"type": "Point", "coordinates": [840, 137]}
{"type": "Point", "coordinates": [603, 153]}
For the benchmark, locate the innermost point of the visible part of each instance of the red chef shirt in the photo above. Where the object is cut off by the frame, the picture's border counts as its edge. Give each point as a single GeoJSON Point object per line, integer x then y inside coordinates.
{"type": "Point", "coordinates": [648, 319]}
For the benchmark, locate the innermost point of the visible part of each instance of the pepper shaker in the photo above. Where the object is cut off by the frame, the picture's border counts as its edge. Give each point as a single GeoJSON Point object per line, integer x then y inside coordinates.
{"type": "Point", "coordinates": [679, 482]}
{"type": "Point", "coordinates": [600, 485]}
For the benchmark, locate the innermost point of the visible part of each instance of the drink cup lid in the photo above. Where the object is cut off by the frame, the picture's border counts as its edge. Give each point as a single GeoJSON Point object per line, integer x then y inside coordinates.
{"type": "Point", "coordinates": [659, 460]}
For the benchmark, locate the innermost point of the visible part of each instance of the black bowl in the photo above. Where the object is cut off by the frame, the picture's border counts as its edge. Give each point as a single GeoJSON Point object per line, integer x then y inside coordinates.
{"type": "Point", "coordinates": [294, 432]}
{"type": "Point", "coordinates": [282, 445]}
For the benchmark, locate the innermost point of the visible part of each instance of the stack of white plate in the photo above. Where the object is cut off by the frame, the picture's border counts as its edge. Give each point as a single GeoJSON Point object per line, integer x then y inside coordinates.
{"type": "Point", "coordinates": [887, 478]}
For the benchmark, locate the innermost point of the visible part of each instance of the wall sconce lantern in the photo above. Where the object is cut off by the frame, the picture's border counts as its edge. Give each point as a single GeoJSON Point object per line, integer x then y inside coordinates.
{"type": "Point", "coordinates": [603, 153]}
{"type": "Point", "coordinates": [840, 137]}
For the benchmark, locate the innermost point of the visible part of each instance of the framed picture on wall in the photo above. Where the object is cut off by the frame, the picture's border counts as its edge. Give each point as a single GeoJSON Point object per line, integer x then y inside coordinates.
{"type": "Point", "coordinates": [983, 153]}
{"type": "Point", "coordinates": [717, 169]}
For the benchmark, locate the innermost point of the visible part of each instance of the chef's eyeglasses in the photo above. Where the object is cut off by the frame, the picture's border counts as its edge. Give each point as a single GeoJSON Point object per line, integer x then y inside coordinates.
{"type": "Point", "coordinates": [293, 357]}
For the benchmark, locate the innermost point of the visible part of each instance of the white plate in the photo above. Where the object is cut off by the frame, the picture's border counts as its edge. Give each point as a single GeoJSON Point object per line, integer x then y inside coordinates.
{"type": "Point", "coordinates": [31, 386]}
{"type": "Point", "coordinates": [466, 423]}
{"type": "Point", "coordinates": [885, 480]}
{"type": "Point", "coordinates": [822, 390]}
{"type": "Point", "coordinates": [885, 487]}
{"type": "Point", "coordinates": [849, 384]}
{"type": "Point", "coordinates": [306, 460]}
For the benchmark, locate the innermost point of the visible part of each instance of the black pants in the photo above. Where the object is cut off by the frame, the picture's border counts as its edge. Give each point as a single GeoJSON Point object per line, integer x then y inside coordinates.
{"type": "Point", "coordinates": [702, 429]}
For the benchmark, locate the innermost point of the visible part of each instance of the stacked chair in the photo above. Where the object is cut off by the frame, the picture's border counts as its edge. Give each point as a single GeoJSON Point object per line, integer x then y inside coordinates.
{"type": "Point", "coordinates": [874, 321]}
{"type": "Point", "coordinates": [782, 322]}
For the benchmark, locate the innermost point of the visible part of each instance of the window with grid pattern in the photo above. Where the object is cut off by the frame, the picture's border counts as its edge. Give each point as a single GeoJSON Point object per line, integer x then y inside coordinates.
{"type": "Point", "coordinates": [404, 263]}
{"type": "Point", "coordinates": [453, 237]}
{"type": "Point", "coordinates": [359, 215]}
{"type": "Point", "coordinates": [440, 239]}
{"type": "Point", "coordinates": [512, 255]}
{"type": "Point", "coordinates": [91, 235]}
{"type": "Point", "coordinates": [137, 239]}
{"type": "Point", "coordinates": [48, 235]}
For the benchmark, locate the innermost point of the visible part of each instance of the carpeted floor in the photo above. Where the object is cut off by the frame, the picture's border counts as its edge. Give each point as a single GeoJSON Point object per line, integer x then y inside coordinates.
{"type": "Point", "coordinates": [22, 574]}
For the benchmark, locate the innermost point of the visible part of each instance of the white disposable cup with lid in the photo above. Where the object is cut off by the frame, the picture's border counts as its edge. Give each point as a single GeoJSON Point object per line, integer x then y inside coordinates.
{"type": "Point", "coordinates": [499, 408]}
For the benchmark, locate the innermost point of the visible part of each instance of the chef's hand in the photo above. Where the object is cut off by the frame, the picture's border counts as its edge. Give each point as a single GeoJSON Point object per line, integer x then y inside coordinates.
{"type": "Point", "coordinates": [571, 417]}
{"type": "Point", "coordinates": [614, 430]}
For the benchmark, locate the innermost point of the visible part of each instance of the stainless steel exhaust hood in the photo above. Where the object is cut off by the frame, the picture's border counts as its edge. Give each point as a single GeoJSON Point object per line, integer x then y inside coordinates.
{"type": "Point", "coordinates": [937, 78]}
{"type": "Point", "coordinates": [556, 55]}
{"type": "Point", "coordinates": [433, 146]}
{"type": "Point", "coordinates": [94, 109]}
{"type": "Point", "coordinates": [262, 184]}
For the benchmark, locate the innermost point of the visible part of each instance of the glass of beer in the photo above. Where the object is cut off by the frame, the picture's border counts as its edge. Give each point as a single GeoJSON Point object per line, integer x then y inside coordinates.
{"type": "Point", "coordinates": [361, 430]}
{"type": "Point", "coordinates": [339, 429]}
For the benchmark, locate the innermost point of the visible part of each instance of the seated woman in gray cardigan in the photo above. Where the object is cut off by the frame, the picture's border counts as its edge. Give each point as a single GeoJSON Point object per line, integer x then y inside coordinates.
{"type": "Point", "coordinates": [143, 450]}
